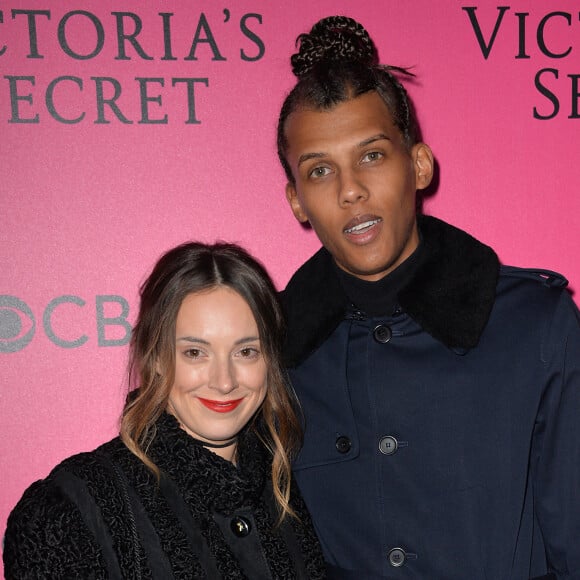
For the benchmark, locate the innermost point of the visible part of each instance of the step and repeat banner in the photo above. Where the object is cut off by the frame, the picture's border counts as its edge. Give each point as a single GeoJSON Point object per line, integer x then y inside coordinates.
{"type": "Point", "coordinates": [128, 127]}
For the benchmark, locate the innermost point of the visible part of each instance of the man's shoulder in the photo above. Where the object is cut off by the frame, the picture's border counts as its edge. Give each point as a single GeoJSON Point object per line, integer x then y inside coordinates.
{"type": "Point", "coordinates": [533, 287]}
{"type": "Point", "coordinates": [314, 289]}
{"type": "Point", "coordinates": [312, 271]}
{"type": "Point", "coordinates": [545, 278]}
{"type": "Point", "coordinates": [313, 304]}
{"type": "Point", "coordinates": [537, 297]}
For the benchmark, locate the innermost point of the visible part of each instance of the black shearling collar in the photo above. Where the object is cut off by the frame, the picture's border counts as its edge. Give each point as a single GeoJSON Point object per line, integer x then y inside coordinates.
{"type": "Point", "coordinates": [450, 296]}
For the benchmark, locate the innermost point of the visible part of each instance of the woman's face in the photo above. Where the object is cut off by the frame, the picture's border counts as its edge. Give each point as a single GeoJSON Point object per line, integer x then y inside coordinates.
{"type": "Point", "coordinates": [220, 370]}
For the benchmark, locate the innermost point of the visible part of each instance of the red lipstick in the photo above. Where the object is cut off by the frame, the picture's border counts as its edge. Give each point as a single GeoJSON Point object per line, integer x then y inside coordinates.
{"type": "Point", "coordinates": [220, 406]}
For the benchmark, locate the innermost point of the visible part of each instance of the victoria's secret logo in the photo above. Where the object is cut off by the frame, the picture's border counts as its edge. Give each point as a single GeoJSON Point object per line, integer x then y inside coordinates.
{"type": "Point", "coordinates": [18, 323]}
{"type": "Point", "coordinates": [80, 35]}
{"type": "Point", "coordinates": [552, 34]}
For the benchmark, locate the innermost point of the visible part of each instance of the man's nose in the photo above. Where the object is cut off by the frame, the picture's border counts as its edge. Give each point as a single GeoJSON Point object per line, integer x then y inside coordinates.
{"type": "Point", "coordinates": [351, 188]}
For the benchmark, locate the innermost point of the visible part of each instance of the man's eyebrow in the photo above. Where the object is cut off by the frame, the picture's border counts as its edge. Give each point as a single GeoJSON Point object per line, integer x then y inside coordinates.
{"type": "Point", "coordinates": [377, 137]}
{"type": "Point", "coordinates": [364, 143]}
{"type": "Point", "coordinates": [307, 156]}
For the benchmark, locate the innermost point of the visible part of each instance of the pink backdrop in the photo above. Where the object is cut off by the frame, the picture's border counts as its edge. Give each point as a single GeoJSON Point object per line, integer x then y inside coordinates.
{"type": "Point", "coordinates": [87, 206]}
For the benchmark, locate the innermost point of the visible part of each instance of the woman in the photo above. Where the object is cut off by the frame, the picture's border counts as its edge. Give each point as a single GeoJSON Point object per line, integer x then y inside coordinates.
{"type": "Point", "coordinates": [198, 484]}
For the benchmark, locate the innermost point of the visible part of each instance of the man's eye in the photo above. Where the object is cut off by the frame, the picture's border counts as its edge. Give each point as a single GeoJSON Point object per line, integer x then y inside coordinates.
{"type": "Point", "coordinates": [319, 172]}
{"type": "Point", "coordinates": [372, 156]}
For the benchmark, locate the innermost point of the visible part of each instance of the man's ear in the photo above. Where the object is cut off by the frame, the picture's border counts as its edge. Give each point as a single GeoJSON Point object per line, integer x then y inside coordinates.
{"type": "Point", "coordinates": [294, 202]}
{"type": "Point", "coordinates": [424, 164]}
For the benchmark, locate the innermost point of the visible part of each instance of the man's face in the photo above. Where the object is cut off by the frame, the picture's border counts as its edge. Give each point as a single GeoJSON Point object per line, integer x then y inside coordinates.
{"type": "Point", "coordinates": [355, 182]}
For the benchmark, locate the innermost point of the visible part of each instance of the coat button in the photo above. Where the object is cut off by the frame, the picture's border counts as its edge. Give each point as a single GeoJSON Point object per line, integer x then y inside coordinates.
{"type": "Point", "coordinates": [240, 526]}
{"type": "Point", "coordinates": [388, 445]}
{"type": "Point", "coordinates": [382, 333]}
{"type": "Point", "coordinates": [343, 444]}
{"type": "Point", "coordinates": [397, 557]}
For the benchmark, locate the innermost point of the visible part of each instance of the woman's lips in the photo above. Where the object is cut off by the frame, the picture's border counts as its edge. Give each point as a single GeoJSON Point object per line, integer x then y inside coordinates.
{"type": "Point", "coordinates": [220, 406]}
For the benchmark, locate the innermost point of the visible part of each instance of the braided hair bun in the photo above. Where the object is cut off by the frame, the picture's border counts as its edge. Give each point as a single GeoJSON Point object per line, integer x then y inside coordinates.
{"type": "Point", "coordinates": [332, 40]}
{"type": "Point", "coordinates": [337, 61]}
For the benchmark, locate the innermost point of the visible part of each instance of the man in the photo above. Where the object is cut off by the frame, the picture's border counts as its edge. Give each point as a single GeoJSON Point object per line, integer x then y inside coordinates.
{"type": "Point", "coordinates": [441, 390]}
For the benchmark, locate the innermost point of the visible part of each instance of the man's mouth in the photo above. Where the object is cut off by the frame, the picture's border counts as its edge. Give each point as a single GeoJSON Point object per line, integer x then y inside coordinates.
{"type": "Point", "coordinates": [362, 226]}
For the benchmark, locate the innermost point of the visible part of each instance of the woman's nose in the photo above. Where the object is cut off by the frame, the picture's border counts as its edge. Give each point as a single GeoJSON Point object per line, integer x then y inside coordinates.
{"type": "Point", "coordinates": [222, 376]}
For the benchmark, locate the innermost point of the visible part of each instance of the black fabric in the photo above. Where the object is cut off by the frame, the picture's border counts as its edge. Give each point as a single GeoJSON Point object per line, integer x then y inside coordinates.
{"type": "Point", "coordinates": [335, 573]}
{"type": "Point", "coordinates": [152, 525]}
{"type": "Point", "coordinates": [453, 292]}
{"type": "Point", "coordinates": [149, 539]}
{"type": "Point", "coordinates": [455, 482]}
{"type": "Point", "coordinates": [76, 490]}
{"type": "Point", "coordinates": [380, 297]}
{"type": "Point", "coordinates": [196, 542]}
{"type": "Point", "coordinates": [248, 550]}
{"type": "Point", "coordinates": [450, 295]}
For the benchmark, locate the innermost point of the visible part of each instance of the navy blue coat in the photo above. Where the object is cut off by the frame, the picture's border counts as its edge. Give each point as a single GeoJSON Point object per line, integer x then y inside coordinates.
{"type": "Point", "coordinates": [442, 440]}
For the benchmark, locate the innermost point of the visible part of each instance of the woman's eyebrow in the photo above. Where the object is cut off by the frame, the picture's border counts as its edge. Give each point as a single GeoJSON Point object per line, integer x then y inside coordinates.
{"type": "Point", "coordinates": [192, 339]}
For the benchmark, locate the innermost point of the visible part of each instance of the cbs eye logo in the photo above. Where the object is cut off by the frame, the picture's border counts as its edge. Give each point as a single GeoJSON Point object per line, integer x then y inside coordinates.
{"type": "Point", "coordinates": [17, 324]}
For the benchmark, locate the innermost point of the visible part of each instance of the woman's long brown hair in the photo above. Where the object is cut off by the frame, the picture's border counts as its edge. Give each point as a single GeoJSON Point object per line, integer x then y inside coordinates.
{"type": "Point", "coordinates": [190, 268]}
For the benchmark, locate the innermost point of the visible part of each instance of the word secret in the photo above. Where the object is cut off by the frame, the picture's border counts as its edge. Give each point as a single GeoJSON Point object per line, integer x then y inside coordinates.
{"type": "Point", "coordinates": [80, 35]}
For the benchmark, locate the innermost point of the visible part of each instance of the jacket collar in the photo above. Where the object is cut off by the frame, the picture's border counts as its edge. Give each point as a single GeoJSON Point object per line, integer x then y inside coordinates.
{"type": "Point", "coordinates": [450, 296]}
{"type": "Point", "coordinates": [208, 482]}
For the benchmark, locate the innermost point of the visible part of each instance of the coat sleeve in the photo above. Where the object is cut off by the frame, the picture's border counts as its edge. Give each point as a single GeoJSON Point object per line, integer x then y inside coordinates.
{"type": "Point", "coordinates": [47, 538]}
{"type": "Point", "coordinates": [556, 453]}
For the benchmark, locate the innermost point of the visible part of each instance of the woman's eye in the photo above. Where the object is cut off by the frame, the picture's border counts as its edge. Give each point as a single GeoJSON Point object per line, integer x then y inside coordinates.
{"type": "Point", "coordinates": [192, 353]}
{"type": "Point", "coordinates": [249, 352]}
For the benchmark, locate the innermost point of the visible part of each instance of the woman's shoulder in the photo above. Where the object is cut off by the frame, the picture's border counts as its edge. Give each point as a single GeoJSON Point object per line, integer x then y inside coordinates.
{"type": "Point", "coordinates": [44, 493]}
{"type": "Point", "coordinates": [88, 464]}
{"type": "Point", "coordinates": [46, 530]}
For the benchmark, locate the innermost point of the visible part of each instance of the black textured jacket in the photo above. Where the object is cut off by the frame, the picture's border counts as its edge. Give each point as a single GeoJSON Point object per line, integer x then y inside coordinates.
{"type": "Point", "coordinates": [102, 515]}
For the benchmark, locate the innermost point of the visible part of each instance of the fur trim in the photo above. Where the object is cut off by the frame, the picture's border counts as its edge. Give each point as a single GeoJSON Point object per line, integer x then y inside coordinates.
{"type": "Point", "coordinates": [451, 296]}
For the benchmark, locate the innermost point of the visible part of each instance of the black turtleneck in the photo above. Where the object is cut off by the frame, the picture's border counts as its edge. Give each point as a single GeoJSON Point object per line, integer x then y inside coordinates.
{"type": "Point", "coordinates": [380, 297]}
